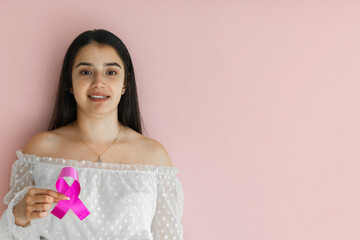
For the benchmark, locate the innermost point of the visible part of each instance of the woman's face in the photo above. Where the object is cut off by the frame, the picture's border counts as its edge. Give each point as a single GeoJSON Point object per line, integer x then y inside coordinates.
{"type": "Point", "coordinates": [98, 70]}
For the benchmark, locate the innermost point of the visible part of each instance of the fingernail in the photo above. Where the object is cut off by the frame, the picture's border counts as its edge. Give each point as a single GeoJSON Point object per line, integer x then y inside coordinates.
{"type": "Point", "coordinates": [67, 198]}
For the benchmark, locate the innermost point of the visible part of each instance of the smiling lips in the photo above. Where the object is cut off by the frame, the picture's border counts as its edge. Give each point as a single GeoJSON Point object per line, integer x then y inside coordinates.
{"type": "Point", "coordinates": [98, 97]}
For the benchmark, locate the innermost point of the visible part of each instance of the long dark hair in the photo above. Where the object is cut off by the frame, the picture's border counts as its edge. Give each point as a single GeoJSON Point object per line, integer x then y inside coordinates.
{"type": "Point", "coordinates": [65, 110]}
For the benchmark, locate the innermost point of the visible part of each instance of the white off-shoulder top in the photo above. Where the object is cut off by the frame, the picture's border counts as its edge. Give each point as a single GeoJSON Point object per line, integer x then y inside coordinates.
{"type": "Point", "coordinates": [126, 201]}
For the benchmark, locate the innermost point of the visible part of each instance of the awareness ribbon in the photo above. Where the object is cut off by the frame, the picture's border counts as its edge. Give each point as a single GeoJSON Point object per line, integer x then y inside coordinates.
{"type": "Point", "coordinates": [72, 192]}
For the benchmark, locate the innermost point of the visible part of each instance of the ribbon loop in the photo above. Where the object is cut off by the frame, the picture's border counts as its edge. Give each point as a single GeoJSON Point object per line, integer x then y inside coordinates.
{"type": "Point", "coordinates": [72, 192]}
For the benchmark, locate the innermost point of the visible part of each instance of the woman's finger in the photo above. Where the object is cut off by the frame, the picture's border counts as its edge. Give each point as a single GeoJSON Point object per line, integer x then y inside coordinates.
{"type": "Point", "coordinates": [39, 214]}
{"type": "Point", "coordinates": [41, 207]}
{"type": "Point", "coordinates": [43, 199]}
{"type": "Point", "coordinates": [42, 191]}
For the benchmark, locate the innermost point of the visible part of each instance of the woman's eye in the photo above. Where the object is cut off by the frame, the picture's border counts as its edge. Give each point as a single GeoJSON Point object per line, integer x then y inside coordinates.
{"type": "Point", "coordinates": [111, 72]}
{"type": "Point", "coordinates": [85, 72]}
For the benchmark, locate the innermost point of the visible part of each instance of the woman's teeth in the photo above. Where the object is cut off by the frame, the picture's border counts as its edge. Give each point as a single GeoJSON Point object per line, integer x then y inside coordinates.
{"type": "Point", "coordinates": [98, 96]}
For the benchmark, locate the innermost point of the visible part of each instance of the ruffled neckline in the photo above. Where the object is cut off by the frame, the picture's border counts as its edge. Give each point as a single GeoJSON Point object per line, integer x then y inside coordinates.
{"type": "Point", "coordinates": [33, 158]}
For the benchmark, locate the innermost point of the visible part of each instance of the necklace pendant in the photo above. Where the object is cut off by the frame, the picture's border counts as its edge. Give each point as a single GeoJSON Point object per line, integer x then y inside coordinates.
{"type": "Point", "coordinates": [100, 160]}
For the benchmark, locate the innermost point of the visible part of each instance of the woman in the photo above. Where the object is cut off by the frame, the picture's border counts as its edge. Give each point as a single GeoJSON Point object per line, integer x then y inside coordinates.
{"type": "Point", "coordinates": [127, 180]}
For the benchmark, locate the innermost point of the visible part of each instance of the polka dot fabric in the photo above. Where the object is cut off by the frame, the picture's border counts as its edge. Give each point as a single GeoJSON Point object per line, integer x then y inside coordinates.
{"type": "Point", "coordinates": [126, 201]}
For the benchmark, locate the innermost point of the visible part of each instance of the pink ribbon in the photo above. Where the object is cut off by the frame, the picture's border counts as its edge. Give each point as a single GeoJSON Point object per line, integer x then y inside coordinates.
{"type": "Point", "coordinates": [72, 192]}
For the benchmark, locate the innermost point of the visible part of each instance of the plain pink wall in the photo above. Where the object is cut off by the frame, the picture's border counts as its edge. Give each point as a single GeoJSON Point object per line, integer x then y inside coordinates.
{"type": "Point", "coordinates": [257, 103]}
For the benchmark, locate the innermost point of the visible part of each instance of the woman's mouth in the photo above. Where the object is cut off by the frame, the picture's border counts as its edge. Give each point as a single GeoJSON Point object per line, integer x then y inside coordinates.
{"type": "Point", "coordinates": [95, 98]}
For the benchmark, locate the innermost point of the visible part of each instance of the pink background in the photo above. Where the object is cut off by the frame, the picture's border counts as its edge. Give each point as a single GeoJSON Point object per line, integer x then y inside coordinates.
{"type": "Point", "coordinates": [257, 103]}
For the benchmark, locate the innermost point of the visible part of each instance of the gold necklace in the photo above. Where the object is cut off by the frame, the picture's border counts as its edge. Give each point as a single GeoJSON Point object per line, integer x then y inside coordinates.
{"type": "Point", "coordinates": [99, 160]}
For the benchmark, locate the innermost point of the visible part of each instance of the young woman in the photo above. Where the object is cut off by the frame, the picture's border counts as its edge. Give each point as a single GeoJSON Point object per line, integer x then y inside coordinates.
{"type": "Point", "coordinates": [127, 180]}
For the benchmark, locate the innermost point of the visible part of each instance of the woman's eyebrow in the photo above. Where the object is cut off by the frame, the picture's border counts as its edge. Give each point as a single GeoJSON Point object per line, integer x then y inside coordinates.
{"type": "Point", "coordinates": [105, 64]}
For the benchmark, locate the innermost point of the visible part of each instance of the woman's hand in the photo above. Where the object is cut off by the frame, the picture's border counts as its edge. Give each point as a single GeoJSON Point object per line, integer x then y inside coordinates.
{"type": "Point", "coordinates": [34, 205]}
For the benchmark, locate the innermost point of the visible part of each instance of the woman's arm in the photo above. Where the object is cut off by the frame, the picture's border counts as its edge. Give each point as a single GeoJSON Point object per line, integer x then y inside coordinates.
{"type": "Point", "coordinates": [17, 222]}
{"type": "Point", "coordinates": [166, 223]}
{"type": "Point", "coordinates": [20, 182]}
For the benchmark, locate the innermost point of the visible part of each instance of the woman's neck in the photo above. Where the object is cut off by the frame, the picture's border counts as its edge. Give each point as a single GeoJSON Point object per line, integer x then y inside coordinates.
{"type": "Point", "coordinates": [98, 130]}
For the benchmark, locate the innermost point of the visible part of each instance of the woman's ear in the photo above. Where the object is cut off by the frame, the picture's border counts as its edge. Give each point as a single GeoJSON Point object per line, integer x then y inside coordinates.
{"type": "Point", "coordinates": [124, 88]}
{"type": "Point", "coordinates": [71, 90]}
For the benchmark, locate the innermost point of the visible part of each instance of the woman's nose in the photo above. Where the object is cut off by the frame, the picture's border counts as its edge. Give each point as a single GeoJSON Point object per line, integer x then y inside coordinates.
{"type": "Point", "coordinates": [98, 80]}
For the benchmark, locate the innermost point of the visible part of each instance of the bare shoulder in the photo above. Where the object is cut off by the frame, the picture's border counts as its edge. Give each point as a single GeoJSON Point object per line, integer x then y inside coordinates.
{"type": "Point", "coordinates": [39, 143]}
{"type": "Point", "coordinates": [155, 151]}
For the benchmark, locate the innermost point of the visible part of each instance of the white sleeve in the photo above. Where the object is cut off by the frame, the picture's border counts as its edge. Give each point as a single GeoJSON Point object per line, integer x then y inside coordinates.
{"type": "Point", "coordinates": [20, 182]}
{"type": "Point", "coordinates": [166, 224]}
